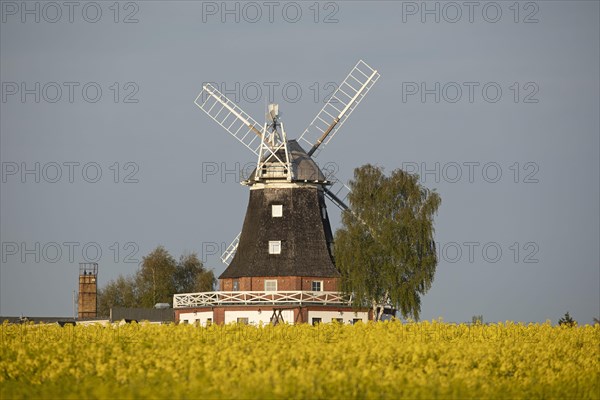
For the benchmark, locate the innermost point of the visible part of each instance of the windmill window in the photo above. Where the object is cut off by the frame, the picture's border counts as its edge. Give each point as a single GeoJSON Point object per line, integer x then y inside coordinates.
{"type": "Point", "coordinates": [275, 247]}
{"type": "Point", "coordinates": [270, 285]}
{"type": "Point", "coordinates": [241, 320]}
{"type": "Point", "coordinates": [317, 286]}
{"type": "Point", "coordinates": [236, 285]}
{"type": "Point", "coordinates": [277, 210]}
{"type": "Point", "coordinates": [316, 321]}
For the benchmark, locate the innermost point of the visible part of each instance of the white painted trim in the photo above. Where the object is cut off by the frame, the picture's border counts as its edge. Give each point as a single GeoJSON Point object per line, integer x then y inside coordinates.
{"type": "Point", "coordinates": [286, 185]}
{"type": "Point", "coordinates": [270, 281]}
{"type": "Point", "coordinates": [276, 210]}
{"type": "Point", "coordinates": [274, 246]}
{"type": "Point", "coordinates": [311, 286]}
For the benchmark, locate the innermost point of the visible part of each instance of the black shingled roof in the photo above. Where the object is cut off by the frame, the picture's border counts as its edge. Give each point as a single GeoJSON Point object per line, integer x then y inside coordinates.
{"type": "Point", "coordinates": [306, 237]}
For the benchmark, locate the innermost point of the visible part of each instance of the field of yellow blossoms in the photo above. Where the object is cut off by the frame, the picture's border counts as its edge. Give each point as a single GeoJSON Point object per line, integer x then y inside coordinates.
{"type": "Point", "coordinates": [377, 360]}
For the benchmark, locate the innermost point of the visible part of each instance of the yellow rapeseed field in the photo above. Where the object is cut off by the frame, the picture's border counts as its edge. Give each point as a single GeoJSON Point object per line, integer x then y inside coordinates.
{"type": "Point", "coordinates": [388, 360]}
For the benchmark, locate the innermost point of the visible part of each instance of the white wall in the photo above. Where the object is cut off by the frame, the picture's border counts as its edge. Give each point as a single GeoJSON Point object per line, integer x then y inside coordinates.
{"type": "Point", "coordinates": [254, 318]}
{"type": "Point", "coordinates": [329, 316]}
{"type": "Point", "coordinates": [193, 317]}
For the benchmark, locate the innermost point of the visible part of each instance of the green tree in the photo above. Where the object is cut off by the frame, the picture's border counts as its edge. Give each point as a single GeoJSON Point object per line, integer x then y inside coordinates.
{"type": "Point", "coordinates": [385, 250]}
{"type": "Point", "coordinates": [192, 276]}
{"type": "Point", "coordinates": [155, 281]}
{"type": "Point", "coordinates": [567, 320]}
{"type": "Point", "coordinates": [121, 292]}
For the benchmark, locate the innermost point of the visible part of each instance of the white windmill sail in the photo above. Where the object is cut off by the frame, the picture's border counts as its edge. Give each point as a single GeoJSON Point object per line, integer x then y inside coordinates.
{"type": "Point", "coordinates": [227, 114]}
{"type": "Point", "coordinates": [332, 116]}
{"type": "Point", "coordinates": [338, 191]}
{"type": "Point", "coordinates": [239, 124]}
{"type": "Point", "coordinates": [230, 251]}
{"type": "Point", "coordinates": [339, 107]}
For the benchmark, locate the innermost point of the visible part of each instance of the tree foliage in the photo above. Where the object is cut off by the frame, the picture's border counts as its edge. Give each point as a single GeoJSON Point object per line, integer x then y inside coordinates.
{"type": "Point", "coordinates": [385, 249]}
{"type": "Point", "coordinates": [156, 278]}
{"type": "Point", "coordinates": [121, 292]}
{"type": "Point", "coordinates": [567, 320]}
{"type": "Point", "coordinates": [191, 276]}
{"type": "Point", "coordinates": [160, 276]}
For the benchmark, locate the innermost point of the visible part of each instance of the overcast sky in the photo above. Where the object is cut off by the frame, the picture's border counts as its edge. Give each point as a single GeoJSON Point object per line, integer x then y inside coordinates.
{"type": "Point", "coordinates": [496, 106]}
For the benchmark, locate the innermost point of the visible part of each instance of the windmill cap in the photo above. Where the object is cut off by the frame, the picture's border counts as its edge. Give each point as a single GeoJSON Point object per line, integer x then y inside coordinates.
{"type": "Point", "coordinates": [304, 168]}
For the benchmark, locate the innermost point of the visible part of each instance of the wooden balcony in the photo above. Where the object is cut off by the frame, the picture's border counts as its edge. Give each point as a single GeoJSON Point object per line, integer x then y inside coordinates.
{"type": "Point", "coordinates": [285, 297]}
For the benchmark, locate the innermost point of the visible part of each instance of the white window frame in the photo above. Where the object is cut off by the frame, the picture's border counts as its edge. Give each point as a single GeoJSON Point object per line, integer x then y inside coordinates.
{"type": "Point", "coordinates": [312, 287]}
{"type": "Point", "coordinates": [235, 285]}
{"type": "Point", "coordinates": [277, 210]}
{"type": "Point", "coordinates": [274, 246]}
{"type": "Point", "coordinates": [270, 282]}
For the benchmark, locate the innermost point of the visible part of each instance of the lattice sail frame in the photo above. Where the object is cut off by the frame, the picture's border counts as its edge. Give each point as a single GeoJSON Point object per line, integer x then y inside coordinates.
{"type": "Point", "coordinates": [230, 250]}
{"type": "Point", "coordinates": [231, 117]}
{"type": "Point", "coordinates": [340, 105]}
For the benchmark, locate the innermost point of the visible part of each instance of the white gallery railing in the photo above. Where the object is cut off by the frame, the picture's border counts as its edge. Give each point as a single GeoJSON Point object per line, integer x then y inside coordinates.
{"type": "Point", "coordinates": [294, 297]}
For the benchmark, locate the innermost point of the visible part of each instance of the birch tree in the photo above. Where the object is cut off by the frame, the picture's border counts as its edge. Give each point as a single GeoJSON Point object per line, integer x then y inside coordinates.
{"type": "Point", "coordinates": [385, 250]}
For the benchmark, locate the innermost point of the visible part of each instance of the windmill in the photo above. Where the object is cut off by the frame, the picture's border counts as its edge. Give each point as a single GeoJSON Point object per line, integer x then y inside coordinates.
{"type": "Point", "coordinates": [286, 242]}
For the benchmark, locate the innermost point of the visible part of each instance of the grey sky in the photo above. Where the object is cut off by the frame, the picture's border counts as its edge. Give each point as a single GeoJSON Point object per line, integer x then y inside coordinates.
{"type": "Point", "coordinates": [542, 212]}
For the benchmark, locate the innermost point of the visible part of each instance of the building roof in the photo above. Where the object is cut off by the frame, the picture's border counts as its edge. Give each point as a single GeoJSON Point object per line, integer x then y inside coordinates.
{"type": "Point", "coordinates": [38, 320]}
{"type": "Point", "coordinates": [142, 314]}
